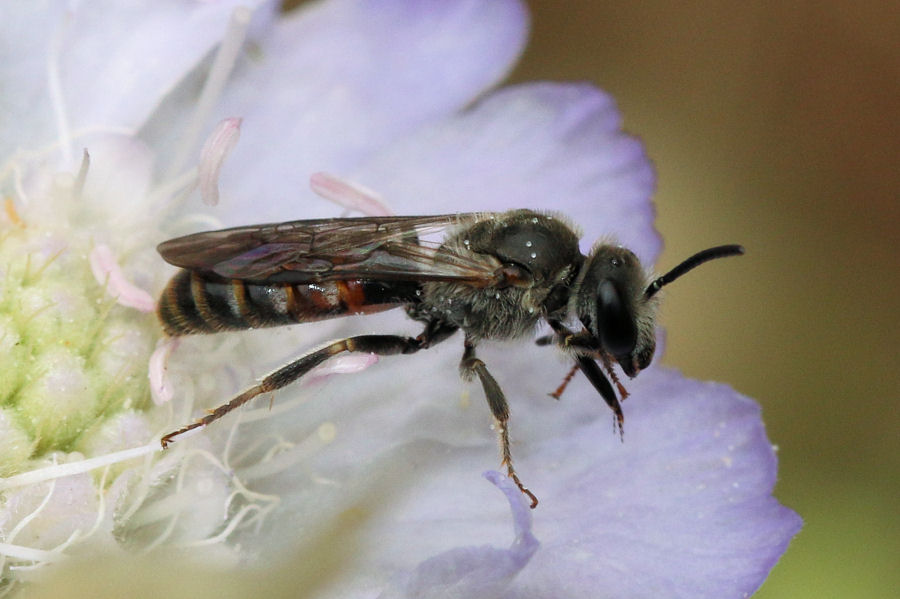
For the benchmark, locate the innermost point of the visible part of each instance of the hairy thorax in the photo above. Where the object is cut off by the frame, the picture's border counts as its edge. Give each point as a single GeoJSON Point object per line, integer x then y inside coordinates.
{"type": "Point", "coordinates": [541, 244]}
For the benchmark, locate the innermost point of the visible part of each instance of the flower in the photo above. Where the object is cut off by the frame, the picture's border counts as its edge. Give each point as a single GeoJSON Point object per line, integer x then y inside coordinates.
{"type": "Point", "coordinates": [394, 95]}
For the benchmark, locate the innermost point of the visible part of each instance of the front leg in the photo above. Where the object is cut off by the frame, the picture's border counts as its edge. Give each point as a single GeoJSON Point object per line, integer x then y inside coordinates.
{"type": "Point", "coordinates": [592, 371]}
{"type": "Point", "coordinates": [470, 366]}
{"type": "Point", "coordinates": [586, 348]}
{"type": "Point", "coordinates": [583, 342]}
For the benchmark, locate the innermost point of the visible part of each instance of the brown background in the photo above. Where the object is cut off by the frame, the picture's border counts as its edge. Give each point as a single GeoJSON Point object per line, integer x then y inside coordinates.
{"type": "Point", "coordinates": [774, 125]}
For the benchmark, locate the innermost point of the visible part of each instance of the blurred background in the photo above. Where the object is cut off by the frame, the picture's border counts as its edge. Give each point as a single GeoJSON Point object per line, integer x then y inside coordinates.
{"type": "Point", "coordinates": [774, 125]}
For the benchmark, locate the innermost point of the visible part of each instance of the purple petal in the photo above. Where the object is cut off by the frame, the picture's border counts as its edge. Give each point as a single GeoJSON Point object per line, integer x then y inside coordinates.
{"type": "Point", "coordinates": [545, 146]}
{"type": "Point", "coordinates": [473, 571]}
{"type": "Point", "coordinates": [340, 79]}
{"type": "Point", "coordinates": [682, 508]}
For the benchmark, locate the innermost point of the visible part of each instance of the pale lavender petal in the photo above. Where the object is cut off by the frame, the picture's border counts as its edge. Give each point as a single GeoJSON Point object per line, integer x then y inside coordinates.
{"type": "Point", "coordinates": [340, 79]}
{"type": "Point", "coordinates": [545, 146]}
{"type": "Point", "coordinates": [681, 508]}
{"type": "Point", "coordinates": [115, 61]}
{"type": "Point", "coordinates": [476, 571]}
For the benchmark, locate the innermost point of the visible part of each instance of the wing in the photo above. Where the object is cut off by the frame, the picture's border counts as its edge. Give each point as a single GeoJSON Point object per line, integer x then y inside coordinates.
{"type": "Point", "coordinates": [310, 251]}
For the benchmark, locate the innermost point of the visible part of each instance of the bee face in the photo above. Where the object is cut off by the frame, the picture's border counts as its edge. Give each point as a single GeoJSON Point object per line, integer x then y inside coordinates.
{"type": "Point", "coordinates": [611, 304]}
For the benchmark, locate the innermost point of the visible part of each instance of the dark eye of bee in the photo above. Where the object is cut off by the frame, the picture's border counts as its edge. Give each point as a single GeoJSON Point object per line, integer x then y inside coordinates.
{"type": "Point", "coordinates": [607, 299]}
{"type": "Point", "coordinates": [618, 332]}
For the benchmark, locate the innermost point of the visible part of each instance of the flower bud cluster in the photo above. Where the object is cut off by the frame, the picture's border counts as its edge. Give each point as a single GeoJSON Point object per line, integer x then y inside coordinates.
{"type": "Point", "coordinates": [70, 357]}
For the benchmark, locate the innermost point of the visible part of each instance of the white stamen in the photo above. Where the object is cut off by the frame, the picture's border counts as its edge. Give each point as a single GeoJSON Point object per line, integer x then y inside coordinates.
{"type": "Point", "coordinates": [215, 82]}
{"type": "Point", "coordinates": [173, 192]}
{"type": "Point", "coordinates": [164, 535]}
{"type": "Point", "coordinates": [61, 470]}
{"type": "Point", "coordinates": [349, 195]}
{"type": "Point", "coordinates": [298, 454]}
{"type": "Point", "coordinates": [34, 513]}
{"type": "Point", "coordinates": [24, 198]}
{"type": "Point", "coordinates": [78, 186]}
{"type": "Point", "coordinates": [173, 507]}
{"type": "Point", "coordinates": [101, 504]}
{"type": "Point", "coordinates": [58, 550]}
{"type": "Point", "coordinates": [188, 434]}
{"type": "Point", "coordinates": [20, 552]}
{"type": "Point", "coordinates": [235, 521]}
{"type": "Point", "coordinates": [109, 274]}
{"type": "Point", "coordinates": [55, 88]}
{"type": "Point", "coordinates": [216, 149]}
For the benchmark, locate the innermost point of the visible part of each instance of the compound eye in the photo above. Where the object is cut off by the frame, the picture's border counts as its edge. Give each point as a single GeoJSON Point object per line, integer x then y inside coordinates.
{"type": "Point", "coordinates": [618, 331]}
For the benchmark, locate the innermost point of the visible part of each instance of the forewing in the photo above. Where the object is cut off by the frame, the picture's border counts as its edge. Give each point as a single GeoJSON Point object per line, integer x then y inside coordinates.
{"type": "Point", "coordinates": [384, 248]}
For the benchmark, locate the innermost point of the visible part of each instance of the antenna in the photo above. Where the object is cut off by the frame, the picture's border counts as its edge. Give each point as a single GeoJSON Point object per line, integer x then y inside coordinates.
{"type": "Point", "coordinates": [721, 251]}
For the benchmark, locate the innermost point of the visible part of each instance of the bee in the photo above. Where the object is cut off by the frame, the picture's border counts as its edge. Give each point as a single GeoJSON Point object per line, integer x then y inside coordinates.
{"type": "Point", "coordinates": [494, 277]}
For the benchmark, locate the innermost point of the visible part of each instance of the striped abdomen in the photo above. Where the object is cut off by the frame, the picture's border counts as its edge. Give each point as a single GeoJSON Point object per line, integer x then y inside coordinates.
{"type": "Point", "coordinates": [192, 303]}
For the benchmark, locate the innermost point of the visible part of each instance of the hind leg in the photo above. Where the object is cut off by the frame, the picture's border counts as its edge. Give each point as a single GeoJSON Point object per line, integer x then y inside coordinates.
{"type": "Point", "coordinates": [383, 345]}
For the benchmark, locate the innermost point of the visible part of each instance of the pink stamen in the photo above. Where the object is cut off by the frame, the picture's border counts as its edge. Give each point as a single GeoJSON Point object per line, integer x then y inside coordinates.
{"type": "Point", "coordinates": [215, 150]}
{"type": "Point", "coordinates": [341, 365]}
{"type": "Point", "coordinates": [160, 388]}
{"type": "Point", "coordinates": [349, 195]}
{"type": "Point", "coordinates": [108, 273]}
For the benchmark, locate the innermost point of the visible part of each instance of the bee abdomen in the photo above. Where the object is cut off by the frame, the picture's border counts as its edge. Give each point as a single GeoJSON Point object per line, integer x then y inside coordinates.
{"type": "Point", "coordinates": [192, 303]}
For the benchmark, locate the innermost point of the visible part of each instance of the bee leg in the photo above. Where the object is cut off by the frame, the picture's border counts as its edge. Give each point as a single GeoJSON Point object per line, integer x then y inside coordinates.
{"type": "Point", "coordinates": [565, 383]}
{"type": "Point", "coordinates": [586, 342]}
{"type": "Point", "coordinates": [595, 375]}
{"type": "Point", "coordinates": [581, 342]}
{"type": "Point", "coordinates": [560, 338]}
{"type": "Point", "coordinates": [383, 345]}
{"type": "Point", "coordinates": [469, 366]}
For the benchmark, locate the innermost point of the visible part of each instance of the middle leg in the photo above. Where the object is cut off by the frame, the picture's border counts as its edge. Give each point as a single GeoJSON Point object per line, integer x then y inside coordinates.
{"type": "Point", "coordinates": [470, 366]}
